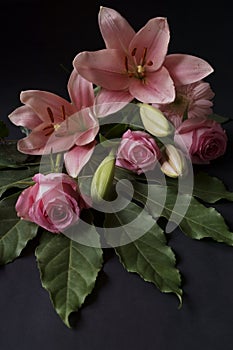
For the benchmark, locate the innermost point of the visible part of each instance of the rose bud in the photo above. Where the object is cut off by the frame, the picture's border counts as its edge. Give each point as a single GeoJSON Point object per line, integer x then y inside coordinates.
{"type": "Point", "coordinates": [103, 178]}
{"type": "Point", "coordinates": [138, 152]}
{"type": "Point", "coordinates": [154, 121]}
{"type": "Point", "coordinates": [53, 202]}
{"type": "Point", "coordinates": [174, 162]}
{"type": "Point", "coordinates": [203, 139]}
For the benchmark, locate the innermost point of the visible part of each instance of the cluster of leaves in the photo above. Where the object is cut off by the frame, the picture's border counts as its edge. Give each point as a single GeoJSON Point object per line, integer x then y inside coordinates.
{"type": "Point", "coordinates": [69, 269]}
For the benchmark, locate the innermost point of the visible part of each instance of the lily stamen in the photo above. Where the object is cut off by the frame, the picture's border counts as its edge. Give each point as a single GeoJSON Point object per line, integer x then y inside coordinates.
{"type": "Point", "coordinates": [126, 64]}
{"type": "Point", "coordinates": [50, 113]}
{"type": "Point", "coordinates": [56, 126]}
{"type": "Point", "coordinates": [63, 112]}
{"type": "Point", "coordinates": [140, 71]}
{"type": "Point", "coordinates": [50, 130]}
{"type": "Point", "coordinates": [130, 74]}
{"type": "Point", "coordinates": [144, 56]}
{"type": "Point", "coordinates": [133, 53]}
{"type": "Point", "coordinates": [67, 125]}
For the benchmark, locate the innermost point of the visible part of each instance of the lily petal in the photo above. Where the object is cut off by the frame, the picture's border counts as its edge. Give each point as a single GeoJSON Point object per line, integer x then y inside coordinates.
{"type": "Point", "coordinates": [24, 116]}
{"type": "Point", "coordinates": [108, 102]}
{"type": "Point", "coordinates": [82, 126]}
{"type": "Point", "coordinates": [80, 90]}
{"type": "Point", "coordinates": [58, 144]}
{"type": "Point", "coordinates": [77, 157]}
{"type": "Point", "coordinates": [104, 68]}
{"type": "Point", "coordinates": [37, 143]}
{"type": "Point", "coordinates": [32, 144]}
{"type": "Point", "coordinates": [154, 38]}
{"type": "Point", "coordinates": [158, 88]}
{"type": "Point", "coordinates": [186, 69]}
{"type": "Point", "coordinates": [116, 31]}
{"type": "Point", "coordinates": [40, 101]}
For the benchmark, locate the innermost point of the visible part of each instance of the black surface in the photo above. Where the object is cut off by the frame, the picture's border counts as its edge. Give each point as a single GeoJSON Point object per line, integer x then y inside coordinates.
{"type": "Point", "coordinates": [123, 312]}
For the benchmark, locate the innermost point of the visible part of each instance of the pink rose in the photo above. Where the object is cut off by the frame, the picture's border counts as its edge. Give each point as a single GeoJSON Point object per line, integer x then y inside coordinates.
{"type": "Point", "coordinates": [53, 202]}
{"type": "Point", "coordinates": [204, 139]}
{"type": "Point", "coordinates": [137, 152]}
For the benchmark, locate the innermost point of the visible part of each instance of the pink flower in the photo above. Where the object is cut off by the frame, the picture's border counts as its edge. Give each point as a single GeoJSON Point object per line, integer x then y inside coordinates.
{"type": "Point", "coordinates": [58, 125]}
{"type": "Point", "coordinates": [203, 139]}
{"type": "Point", "coordinates": [194, 100]}
{"type": "Point", "coordinates": [53, 203]}
{"type": "Point", "coordinates": [136, 63]}
{"type": "Point", "coordinates": [137, 152]}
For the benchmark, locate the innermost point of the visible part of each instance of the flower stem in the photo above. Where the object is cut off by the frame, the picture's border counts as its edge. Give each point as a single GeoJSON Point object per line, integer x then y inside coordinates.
{"type": "Point", "coordinates": [56, 165]}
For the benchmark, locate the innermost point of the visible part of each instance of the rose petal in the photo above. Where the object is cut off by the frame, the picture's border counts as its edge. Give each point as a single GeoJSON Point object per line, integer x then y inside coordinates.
{"type": "Point", "coordinates": [186, 69]}
{"type": "Point", "coordinates": [54, 180]}
{"type": "Point", "coordinates": [184, 141]}
{"type": "Point", "coordinates": [196, 123]}
{"type": "Point", "coordinates": [25, 201]}
{"type": "Point", "coordinates": [116, 31]}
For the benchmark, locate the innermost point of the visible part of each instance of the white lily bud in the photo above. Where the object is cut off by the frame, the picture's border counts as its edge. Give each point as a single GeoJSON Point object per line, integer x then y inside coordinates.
{"type": "Point", "coordinates": [103, 178]}
{"type": "Point", "coordinates": [174, 163]}
{"type": "Point", "coordinates": [154, 121]}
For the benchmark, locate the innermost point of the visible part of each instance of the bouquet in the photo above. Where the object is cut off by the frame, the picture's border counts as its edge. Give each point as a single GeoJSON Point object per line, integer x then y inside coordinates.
{"type": "Point", "coordinates": [115, 167]}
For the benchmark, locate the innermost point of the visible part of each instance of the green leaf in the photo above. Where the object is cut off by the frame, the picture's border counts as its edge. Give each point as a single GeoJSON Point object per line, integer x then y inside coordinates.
{"type": "Point", "coordinates": [202, 222]}
{"type": "Point", "coordinates": [113, 131]}
{"type": "Point", "coordinates": [148, 255]}
{"type": "Point", "coordinates": [207, 188]}
{"type": "Point", "coordinates": [218, 118]}
{"type": "Point", "coordinates": [68, 271]}
{"type": "Point", "coordinates": [96, 90]}
{"type": "Point", "coordinates": [10, 157]}
{"type": "Point", "coordinates": [198, 221]}
{"type": "Point", "coordinates": [210, 189]}
{"type": "Point", "coordinates": [108, 143]}
{"type": "Point", "coordinates": [19, 178]}
{"type": "Point", "coordinates": [14, 232]}
{"type": "Point", "coordinates": [4, 132]}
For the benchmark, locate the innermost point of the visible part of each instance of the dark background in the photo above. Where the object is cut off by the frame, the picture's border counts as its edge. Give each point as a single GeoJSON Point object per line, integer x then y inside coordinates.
{"type": "Point", "coordinates": [123, 312]}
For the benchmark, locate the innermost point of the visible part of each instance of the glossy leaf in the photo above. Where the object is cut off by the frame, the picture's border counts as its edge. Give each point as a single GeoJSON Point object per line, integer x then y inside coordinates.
{"type": "Point", "coordinates": [210, 189]}
{"type": "Point", "coordinates": [197, 222]}
{"type": "Point", "coordinates": [149, 255]}
{"type": "Point", "coordinates": [20, 178]}
{"type": "Point", "coordinates": [10, 157]}
{"type": "Point", "coordinates": [218, 118]}
{"type": "Point", "coordinates": [68, 271]}
{"type": "Point", "coordinates": [14, 232]}
{"type": "Point", "coordinates": [202, 222]}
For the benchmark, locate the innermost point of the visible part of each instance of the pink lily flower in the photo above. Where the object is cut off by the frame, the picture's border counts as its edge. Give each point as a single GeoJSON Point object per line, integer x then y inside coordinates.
{"type": "Point", "coordinates": [136, 64]}
{"type": "Point", "coordinates": [58, 125]}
